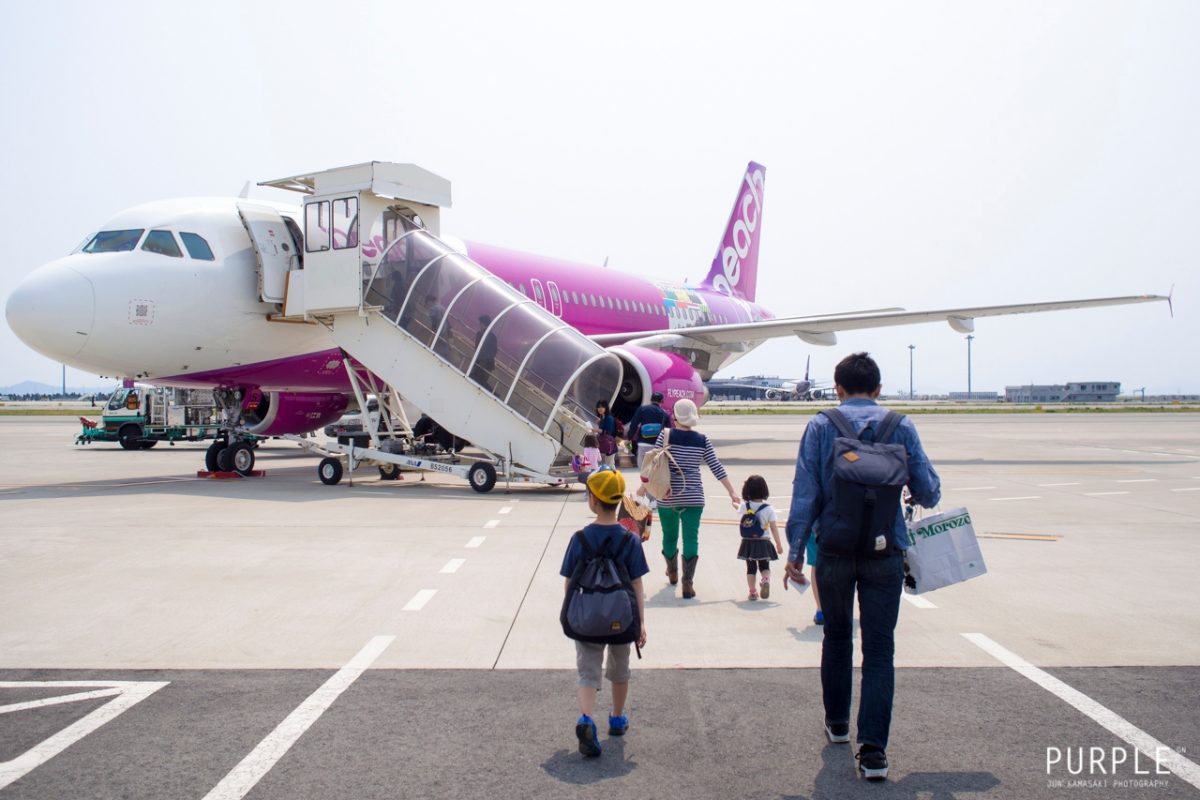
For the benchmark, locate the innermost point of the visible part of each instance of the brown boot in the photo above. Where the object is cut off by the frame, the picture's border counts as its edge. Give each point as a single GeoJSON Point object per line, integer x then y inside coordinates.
{"type": "Point", "coordinates": [689, 572]}
{"type": "Point", "coordinates": [672, 569]}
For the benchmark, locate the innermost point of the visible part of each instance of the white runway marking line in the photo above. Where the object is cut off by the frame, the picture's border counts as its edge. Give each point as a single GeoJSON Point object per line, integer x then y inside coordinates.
{"type": "Point", "coordinates": [1059, 484]}
{"type": "Point", "coordinates": [1022, 497]}
{"type": "Point", "coordinates": [1188, 489]}
{"type": "Point", "coordinates": [491, 523]}
{"type": "Point", "coordinates": [126, 694]}
{"type": "Point", "coordinates": [262, 758]}
{"type": "Point", "coordinates": [475, 541]}
{"type": "Point", "coordinates": [1139, 480]}
{"type": "Point", "coordinates": [452, 566]}
{"type": "Point", "coordinates": [973, 488]}
{"type": "Point", "coordinates": [419, 600]}
{"type": "Point", "coordinates": [917, 600]}
{"type": "Point", "coordinates": [62, 698]}
{"type": "Point", "coordinates": [1102, 494]}
{"type": "Point", "coordinates": [1147, 744]}
{"type": "Point", "coordinates": [505, 510]}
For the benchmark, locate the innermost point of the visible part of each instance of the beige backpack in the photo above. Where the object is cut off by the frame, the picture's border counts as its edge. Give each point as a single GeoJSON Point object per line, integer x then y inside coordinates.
{"type": "Point", "coordinates": [656, 469]}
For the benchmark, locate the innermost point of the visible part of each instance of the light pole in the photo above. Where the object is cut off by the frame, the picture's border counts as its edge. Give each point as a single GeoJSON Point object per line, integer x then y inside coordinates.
{"type": "Point", "coordinates": [911, 347]}
{"type": "Point", "coordinates": [969, 338]}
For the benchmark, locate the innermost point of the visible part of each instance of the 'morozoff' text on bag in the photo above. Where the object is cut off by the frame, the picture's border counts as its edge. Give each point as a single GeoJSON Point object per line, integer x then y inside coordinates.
{"type": "Point", "coordinates": [867, 480]}
{"type": "Point", "coordinates": [942, 550]}
{"type": "Point", "coordinates": [600, 605]}
{"type": "Point", "coordinates": [656, 469]}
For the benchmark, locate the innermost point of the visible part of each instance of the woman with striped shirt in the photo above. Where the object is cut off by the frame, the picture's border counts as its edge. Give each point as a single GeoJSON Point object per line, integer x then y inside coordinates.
{"type": "Point", "coordinates": [685, 504]}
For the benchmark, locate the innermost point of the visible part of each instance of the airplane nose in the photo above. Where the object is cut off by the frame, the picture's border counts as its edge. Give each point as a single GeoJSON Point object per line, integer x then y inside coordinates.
{"type": "Point", "coordinates": [52, 310]}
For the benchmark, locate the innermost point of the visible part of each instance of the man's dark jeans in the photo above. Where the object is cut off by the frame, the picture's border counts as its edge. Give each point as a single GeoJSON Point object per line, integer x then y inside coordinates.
{"type": "Point", "coordinates": [879, 583]}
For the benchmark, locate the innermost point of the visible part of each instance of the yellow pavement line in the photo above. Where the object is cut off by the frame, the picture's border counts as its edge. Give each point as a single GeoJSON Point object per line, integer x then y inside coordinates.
{"type": "Point", "coordinates": [1032, 537]}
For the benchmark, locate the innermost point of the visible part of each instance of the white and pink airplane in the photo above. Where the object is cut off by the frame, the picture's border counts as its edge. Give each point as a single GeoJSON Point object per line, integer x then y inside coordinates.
{"type": "Point", "coordinates": [168, 293]}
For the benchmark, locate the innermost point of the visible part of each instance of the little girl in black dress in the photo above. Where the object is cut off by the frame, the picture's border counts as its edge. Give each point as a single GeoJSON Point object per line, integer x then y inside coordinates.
{"type": "Point", "coordinates": [756, 549]}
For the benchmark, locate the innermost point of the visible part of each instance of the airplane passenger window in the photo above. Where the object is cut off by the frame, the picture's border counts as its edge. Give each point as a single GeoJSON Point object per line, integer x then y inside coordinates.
{"type": "Point", "coordinates": [574, 297]}
{"type": "Point", "coordinates": [114, 241]}
{"type": "Point", "coordinates": [196, 246]}
{"type": "Point", "coordinates": [163, 243]}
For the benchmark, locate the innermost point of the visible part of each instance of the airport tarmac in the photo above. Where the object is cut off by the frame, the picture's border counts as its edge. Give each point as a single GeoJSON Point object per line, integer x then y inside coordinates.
{"type": "Point", "coordinates": [275, 637]}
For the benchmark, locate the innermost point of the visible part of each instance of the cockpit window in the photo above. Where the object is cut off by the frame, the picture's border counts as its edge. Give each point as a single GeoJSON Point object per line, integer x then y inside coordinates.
{"type": "Point", "coordinates": [114, 241]}
{"type": "Point", "coordinates": [196, 246]}
{"type": "Point", "coordinates": [163, 243]}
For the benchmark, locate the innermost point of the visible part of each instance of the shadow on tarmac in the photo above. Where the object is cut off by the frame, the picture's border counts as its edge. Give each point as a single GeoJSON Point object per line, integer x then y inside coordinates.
{"type": "Point", "coordinates": [839, 778]}
{"type": "Point", "coordinates": [574, 768]}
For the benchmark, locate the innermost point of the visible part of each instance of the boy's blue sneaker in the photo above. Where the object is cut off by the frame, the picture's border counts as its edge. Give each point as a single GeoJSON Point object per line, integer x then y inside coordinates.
{"type": "Point", "coordinates": [617, 725]}
{"type": "Point", "coordinates": [589, 743]}
{"type": "Point", "coordinates": [819, 618]}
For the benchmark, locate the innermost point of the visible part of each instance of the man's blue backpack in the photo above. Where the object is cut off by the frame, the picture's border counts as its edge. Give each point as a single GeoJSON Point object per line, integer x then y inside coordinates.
{"type": "Point", "coordinates": [868, 477]}
{"type": "Point", "coordinates": [600, 605]}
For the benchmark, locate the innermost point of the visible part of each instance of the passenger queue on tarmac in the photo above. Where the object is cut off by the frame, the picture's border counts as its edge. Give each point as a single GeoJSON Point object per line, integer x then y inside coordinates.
{"type": "Point", "coordinates": [845, 518]}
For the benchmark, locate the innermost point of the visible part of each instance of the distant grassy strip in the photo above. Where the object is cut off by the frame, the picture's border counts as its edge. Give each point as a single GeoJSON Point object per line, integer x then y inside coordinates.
{"type": "Point", "coordinates": [48, 412]}
{"type": "Point", "coordinates": [1022, 409]}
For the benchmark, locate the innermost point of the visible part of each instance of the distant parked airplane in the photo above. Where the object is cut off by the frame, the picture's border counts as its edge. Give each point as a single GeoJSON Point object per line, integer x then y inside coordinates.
{"type": "Point", "coordinates": [770, 387]}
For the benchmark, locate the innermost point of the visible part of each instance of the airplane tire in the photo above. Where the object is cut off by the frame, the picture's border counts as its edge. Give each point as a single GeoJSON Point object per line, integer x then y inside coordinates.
{"type": "Point", "coordinates": [330, 471]}
{"type": "Point", "coordinates": [130, 437]}
{"type": "Point", "coordinates": [210, 455]}
{"type": "Point", "coordinates": [389, 472]}
{"type": "Point", "coordinates": [225, 459]}
{"type": "Point", "coordinates": [482, 477]}
{"type": "Point", "coordinates": [241, 458]}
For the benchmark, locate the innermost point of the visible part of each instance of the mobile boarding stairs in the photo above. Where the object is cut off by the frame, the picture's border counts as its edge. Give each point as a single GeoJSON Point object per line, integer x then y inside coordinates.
{"type": "Point", "coordinates": [418, 320]}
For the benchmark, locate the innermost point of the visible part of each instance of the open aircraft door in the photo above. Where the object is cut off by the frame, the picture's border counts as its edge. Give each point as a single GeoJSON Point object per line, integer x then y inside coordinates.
{"type": "Point", "coordinates": [277, 251]}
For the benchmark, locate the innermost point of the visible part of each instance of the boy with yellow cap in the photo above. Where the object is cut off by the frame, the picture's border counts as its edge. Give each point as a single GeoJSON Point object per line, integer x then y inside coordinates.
{"type": "Point", "coordinates": [606, 488]}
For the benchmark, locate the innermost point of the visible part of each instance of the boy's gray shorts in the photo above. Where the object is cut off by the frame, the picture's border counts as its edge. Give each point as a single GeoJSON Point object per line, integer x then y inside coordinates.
{"type": "Point", "coordinates": [588, 657]}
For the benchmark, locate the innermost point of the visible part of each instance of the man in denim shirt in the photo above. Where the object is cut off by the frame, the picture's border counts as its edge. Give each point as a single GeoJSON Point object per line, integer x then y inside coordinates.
{"type": "Point", "coordinates": [878, 581]}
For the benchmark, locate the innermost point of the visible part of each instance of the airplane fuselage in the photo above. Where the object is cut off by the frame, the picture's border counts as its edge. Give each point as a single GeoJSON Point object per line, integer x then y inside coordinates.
{"type": "Point", "coordinates": [186, 321]}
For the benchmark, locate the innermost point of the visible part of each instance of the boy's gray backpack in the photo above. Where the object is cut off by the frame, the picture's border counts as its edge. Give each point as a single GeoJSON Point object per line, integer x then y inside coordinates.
{"type": "Point", "coordinates": [600, 605]}
{"type": "Point", "coordinates": [868, 476]}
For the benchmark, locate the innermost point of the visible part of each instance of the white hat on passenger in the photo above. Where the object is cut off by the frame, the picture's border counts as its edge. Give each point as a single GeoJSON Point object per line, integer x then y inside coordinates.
{"type": "Point", "coordinates": [686, 414]}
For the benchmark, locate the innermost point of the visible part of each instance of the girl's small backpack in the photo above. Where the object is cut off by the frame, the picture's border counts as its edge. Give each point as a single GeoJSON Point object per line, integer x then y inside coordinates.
{"type": "Point", "coordinates": [751, 526]}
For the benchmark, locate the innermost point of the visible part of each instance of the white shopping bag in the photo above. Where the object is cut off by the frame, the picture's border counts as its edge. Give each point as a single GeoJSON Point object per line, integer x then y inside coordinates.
{"type": "Point", "coordinates": [942, 550]}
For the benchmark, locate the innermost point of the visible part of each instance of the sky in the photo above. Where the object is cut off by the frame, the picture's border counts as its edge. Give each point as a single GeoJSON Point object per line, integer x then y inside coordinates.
{"type": "Point", "coordinates": [923, 155]}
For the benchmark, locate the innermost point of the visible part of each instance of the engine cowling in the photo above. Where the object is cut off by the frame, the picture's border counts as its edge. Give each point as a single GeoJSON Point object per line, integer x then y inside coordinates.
{"type": "Point", "coordinates": [279, 413]}
{"type": "Point", "coordinates": [647, 371]}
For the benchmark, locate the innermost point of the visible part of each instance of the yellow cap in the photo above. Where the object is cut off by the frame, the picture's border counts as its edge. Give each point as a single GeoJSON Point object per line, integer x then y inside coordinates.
{"type": "Point", "coordinates": [607, 484]}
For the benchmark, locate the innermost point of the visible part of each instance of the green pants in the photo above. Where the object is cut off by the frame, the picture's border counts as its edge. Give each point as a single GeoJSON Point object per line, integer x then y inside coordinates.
{"type": "Point", "coordinates": [669, 519]}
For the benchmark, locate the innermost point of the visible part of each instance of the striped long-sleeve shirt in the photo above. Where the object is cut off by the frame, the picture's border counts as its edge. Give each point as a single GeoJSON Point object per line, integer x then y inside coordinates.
{"type": "Point", "coordinates": [689, 448]}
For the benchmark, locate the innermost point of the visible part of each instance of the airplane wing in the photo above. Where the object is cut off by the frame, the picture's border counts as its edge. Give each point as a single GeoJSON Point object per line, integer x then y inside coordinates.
{"type": "Point", "coordinates": [822, 329]}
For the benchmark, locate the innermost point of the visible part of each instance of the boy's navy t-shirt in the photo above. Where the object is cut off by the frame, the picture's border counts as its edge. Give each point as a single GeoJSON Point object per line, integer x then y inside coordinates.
{"type": "Point", "coordinates": [624, 547]}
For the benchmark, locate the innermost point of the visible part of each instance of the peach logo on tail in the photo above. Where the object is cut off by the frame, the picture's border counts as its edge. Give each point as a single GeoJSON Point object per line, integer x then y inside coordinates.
{"type": "Point", "coordinates": [740, 239]}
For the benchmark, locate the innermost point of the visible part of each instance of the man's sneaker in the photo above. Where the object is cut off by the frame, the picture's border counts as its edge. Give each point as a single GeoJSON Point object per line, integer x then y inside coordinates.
{"type": "Point", "coordinates": [872, 762]}
{"type": "Point", "coordinates": [617, 725]}
{"type": "Point", "coordinates": [819, 617]}
{"type": "Point", "coordinates": [764, 588]}
{"type": "Point", "coordinates": [589, 743]}
{"type": "Point", "coordinates": [837, 732]}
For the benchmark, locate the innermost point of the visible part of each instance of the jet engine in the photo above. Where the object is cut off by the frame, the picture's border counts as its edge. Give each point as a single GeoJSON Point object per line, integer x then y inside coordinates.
{"type": "Point", "coordinates": [647, 371]}
{"type": "Point", "coordinates": [277, 413]}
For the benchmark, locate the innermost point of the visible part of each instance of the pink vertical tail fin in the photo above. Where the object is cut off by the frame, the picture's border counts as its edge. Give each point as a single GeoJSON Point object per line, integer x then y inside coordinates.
{"type": "Point", "coordinates": [735, 268]}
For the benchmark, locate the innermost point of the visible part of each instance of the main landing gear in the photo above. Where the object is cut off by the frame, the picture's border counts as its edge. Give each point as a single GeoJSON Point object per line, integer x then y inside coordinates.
{"type": "Point", "coordinates": [229, 452]}
{"type": "Point", "coordinates": [223, 456]}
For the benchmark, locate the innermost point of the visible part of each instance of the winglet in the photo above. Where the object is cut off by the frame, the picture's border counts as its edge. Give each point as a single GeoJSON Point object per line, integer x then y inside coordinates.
{"type": "Point", "coordinates": [245, 192]}
{"type": "Point", "coordinates": [1171, 301]}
